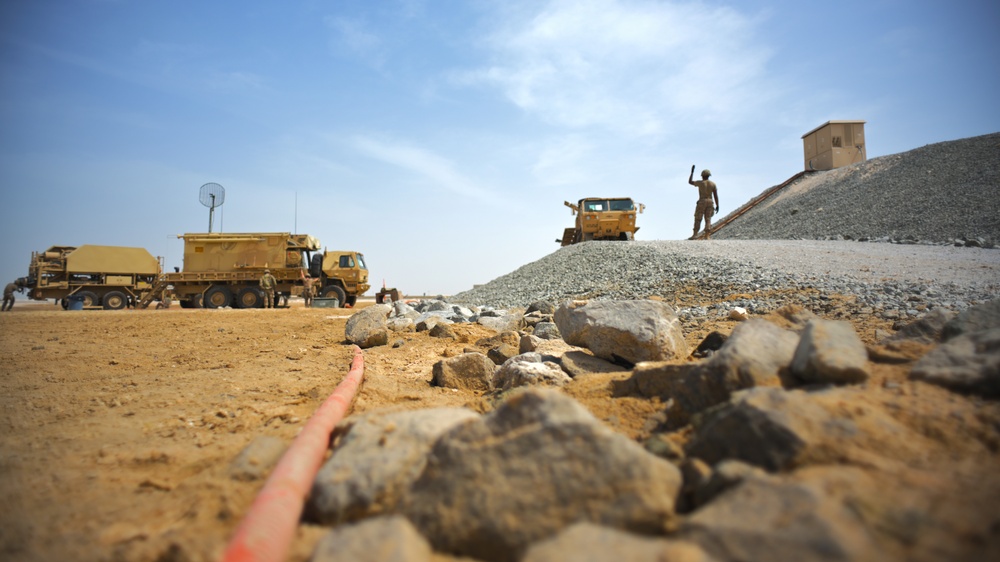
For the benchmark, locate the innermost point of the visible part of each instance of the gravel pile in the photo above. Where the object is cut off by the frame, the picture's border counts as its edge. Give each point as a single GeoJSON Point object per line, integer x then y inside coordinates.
{"type": "Point", "coordinates": [944, 195]}
{"type": "Point", "coordinates": [939, 193]}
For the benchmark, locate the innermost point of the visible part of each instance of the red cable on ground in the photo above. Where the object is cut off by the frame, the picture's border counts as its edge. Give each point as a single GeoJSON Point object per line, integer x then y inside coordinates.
{"type": "Point", "coordinates": [266, 533]}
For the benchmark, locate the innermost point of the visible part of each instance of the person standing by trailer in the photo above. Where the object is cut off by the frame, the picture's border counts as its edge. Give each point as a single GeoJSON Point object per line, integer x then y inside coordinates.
{"type": "Point", "coordinates": [703, 209]}
{"type": "Point", "coordinates": [8, 296]}
{"type": "Point", "coordinates": [307, 289]}
{"type": "Point", "coordinates": [269, 284]}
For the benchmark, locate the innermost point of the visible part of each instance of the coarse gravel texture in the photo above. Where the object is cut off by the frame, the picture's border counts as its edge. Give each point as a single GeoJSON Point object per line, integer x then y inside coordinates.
{"type": "Point", "coordinates": [938, 193]}
{"type": "Point", "coordinates": [926, 199]}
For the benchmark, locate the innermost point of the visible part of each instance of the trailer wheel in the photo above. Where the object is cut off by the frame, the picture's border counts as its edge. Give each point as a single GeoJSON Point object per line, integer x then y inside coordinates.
{"type": "Point", "coordinates": [337, 292]}
{"type": "Point", "coordinates": [89, 298]}
{"type": "Point", "coordinates": [250, 297]}
{"type": "Point", "coordinates": [114, 300]}
{"type": "Point", "coordinates": [218, 297]}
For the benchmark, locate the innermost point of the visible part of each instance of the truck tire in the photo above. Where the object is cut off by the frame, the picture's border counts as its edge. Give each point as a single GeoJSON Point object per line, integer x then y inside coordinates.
{"type": "Point", "coordinates": [218, 296]}
{"type": "Point", "coordinates": [250, 297]}
{"type": "Point", "coordinates": [333, 291]}
{"type": "Point", "coordinates": [89, 298]}
{"type": "Point", "coordinates": [114, 300]}
{"type": "Point", "coordinates": [351, 301]}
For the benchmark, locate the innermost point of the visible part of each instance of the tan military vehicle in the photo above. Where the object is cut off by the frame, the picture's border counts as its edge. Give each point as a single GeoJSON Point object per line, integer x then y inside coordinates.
{"type": "Point", "coordinates": [109, 277]}
{"type": "Point", "coordinates": [224, 269]}
{"type": "Point", "coordinates": [602, 219]}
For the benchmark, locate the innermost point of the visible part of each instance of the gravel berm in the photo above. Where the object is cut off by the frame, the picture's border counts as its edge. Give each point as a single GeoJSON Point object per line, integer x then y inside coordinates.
{"type": "Point", "coordinates": [946, 195]}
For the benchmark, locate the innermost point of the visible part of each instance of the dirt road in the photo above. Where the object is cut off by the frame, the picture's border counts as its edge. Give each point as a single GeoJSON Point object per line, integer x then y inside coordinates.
{"type": "Point", "coordinates": [119, 427]}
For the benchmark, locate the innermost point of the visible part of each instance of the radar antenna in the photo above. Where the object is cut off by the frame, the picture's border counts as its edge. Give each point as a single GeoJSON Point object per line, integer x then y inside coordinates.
{"type": "Point", "coordinates": [212, 195]}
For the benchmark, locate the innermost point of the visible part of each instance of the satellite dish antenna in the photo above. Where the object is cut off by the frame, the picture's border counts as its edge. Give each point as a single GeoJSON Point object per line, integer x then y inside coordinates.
{"type": "Point", "coordinates": [212, 195]}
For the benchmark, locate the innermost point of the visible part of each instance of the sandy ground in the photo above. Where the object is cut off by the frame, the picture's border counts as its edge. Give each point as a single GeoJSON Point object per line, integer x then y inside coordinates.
{"type": "Point", "coordinates": [119, 427]}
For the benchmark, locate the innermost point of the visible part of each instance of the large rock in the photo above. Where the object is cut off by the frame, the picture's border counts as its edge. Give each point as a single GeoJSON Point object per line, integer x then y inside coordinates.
{"type": "Point", "coordinates": [468, 371]}
{"type": "Point", "coordinates": [757, 353]}
{"type": "Point", "coordinates": [630, 331]}
{"type": "Point", "coordinates": [377, 457]}
{"type": "Point", "coordinates": [587, 542]}
{"type": "Point", "coordinates": [968, 363]}
{"type": "Point", "coordinates": [830, 352]}
{"type": "Point", "coordinates": [368, 326]}
{"type": "Point", "coordinates": [927, 329]}
{"type": "Point", "coordinates": [975, 319]}
{"type": "Point", "coordinates": [505, 323]}
{"type": "Point", "coordinates": [778, 430]}
{"type": "Point", "coordinates": [380, 539]}
{"type": "Point", "coordinates": [771, 518]}
{"type": "Point", "coordinates": [530, 468]}
{"type": "Point", "coordinates": [580, 363]}
{"type": "Point", "coordinates": [529, 369]}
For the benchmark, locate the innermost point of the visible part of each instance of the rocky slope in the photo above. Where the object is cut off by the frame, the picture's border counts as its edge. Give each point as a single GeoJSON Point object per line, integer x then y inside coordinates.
{"type": "Point", "coordinates": [937, 193]}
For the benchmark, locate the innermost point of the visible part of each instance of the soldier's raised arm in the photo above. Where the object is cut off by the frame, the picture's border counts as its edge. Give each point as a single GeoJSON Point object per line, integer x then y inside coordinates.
{"type": "Point", "coordinates": [691, 176]}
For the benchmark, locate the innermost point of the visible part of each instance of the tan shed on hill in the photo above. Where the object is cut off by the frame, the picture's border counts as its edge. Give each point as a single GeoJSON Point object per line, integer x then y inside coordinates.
{"type": "Point", "coordinates": [834, 144]}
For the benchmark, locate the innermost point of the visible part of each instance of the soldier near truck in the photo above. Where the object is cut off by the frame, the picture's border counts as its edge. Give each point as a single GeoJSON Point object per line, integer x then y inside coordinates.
{"type": "Point", "coordinates": [268, 284]}
{"type": "Point", "coordinates": [8, 296]}
{"type": "Point", "coordinates": [703, 209]}
{"type": "Point", "coordinates": [307, 289]}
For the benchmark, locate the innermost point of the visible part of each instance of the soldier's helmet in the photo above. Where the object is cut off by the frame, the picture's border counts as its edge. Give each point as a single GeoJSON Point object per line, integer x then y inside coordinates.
{"type": "Point", "coordinates": [705, 173]}
{"type": "Point", "coordinates": [267, 271]}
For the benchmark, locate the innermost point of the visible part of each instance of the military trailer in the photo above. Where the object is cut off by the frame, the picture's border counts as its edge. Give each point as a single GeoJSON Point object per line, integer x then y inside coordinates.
{"type": "Point", "coordinates": [602, 219]}
{"type": "Point", "coordinates": [224, 269]}
{"type": "Point", "coordinates": [109, 277]}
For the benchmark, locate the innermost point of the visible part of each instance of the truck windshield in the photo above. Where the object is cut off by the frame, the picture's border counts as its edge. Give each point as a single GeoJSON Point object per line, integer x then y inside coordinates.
{"type": "Point", "coordinates": [361, 262]}
{"type": "Point", "coordinates": [622, 205]}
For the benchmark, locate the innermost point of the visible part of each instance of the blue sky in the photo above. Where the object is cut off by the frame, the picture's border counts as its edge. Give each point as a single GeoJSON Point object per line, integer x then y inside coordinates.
{"type": "Point", "coordinates": [440, 138]}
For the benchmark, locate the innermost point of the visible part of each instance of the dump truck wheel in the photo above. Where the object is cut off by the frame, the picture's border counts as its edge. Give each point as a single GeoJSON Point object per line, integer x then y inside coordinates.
{"type": "Point", "coordinates": [335, 291]}
{"type": "Point", "coordinates": [89, 299]}
{"type": "Point", "coordinates": [628, 236]}
{"type": "Point", "coordinates": [352, 301]}
{"type": "Point", "coordinates": [218, 297]}
{"type": "Point", "coordinates": [114, 300]}
{"type": "Point", "coordinates": [250, 297]}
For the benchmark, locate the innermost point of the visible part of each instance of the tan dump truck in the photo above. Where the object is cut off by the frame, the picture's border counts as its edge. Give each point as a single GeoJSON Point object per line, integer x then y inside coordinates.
{"type": "Point", "coordinates": [109, 277]}
{"type": "Point", "coordinates": [602, 219]}
{"type": "Point", "coordinates": [224, 270]}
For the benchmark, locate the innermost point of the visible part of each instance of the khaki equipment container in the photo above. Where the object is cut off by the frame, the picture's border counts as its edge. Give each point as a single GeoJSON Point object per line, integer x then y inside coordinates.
{"type": "Point", "coordinates": [109, 277]}
{"type": "Point", "coordinates": [602, 219]}
{"type": "Point", "coordinates": [834, 144]}
{"type": "Point", "coordinates": [224, 269]}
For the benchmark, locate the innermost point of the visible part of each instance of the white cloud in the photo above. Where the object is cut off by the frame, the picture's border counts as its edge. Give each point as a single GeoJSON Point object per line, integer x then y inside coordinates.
{"type": "Point", "coordinates": [634, 67]}
{"type": "Point", "coordinates": [439, 171]}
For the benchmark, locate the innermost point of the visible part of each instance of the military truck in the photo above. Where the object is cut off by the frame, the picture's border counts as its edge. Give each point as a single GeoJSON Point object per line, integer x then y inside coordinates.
{"type": "Point", "coordinates": [109, 277]}
{"type": "Point", "coordinates": [602, 219]}
{"type": "Point", "coordinates": [224, 270]}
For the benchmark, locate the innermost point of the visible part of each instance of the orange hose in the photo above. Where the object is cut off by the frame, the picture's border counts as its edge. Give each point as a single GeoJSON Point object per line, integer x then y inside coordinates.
{"type": "Point", "coordinates": [267, 531]}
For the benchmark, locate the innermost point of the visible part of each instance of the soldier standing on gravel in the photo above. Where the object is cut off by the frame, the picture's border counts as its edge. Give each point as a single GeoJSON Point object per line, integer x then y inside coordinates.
{"type": "Point", "coordinates": [8, 296]}
{"type": "Point", "coordinates": [307, 289]}
{"type": "Point", "coordinates": [268, 284]}
{"type": "Point", "coordinates": [706, 191]}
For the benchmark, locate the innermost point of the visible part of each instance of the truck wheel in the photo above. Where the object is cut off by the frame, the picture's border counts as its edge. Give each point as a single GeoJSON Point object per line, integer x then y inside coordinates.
{"type": "Point", "coordinates": [218, 297]}
{"type": "Point", "coordinates": [89, 299]}
{"type": "Point", "coordinates": [114, 300]}
{"type": "Point", "coordinates": [333, 291]}
{"type": "Point", "coordinates": [627, 236]}
{"type": "Point", "coordinates": [352, 301]}
{"type": "Point", "coordinates": [250, 297]}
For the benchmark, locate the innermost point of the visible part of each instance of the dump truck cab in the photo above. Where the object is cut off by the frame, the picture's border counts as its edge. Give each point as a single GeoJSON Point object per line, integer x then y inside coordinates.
{"type": "Point", "coordinates": [343, 275]}
{"type": "Point", "coordinates": [602, 218]}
